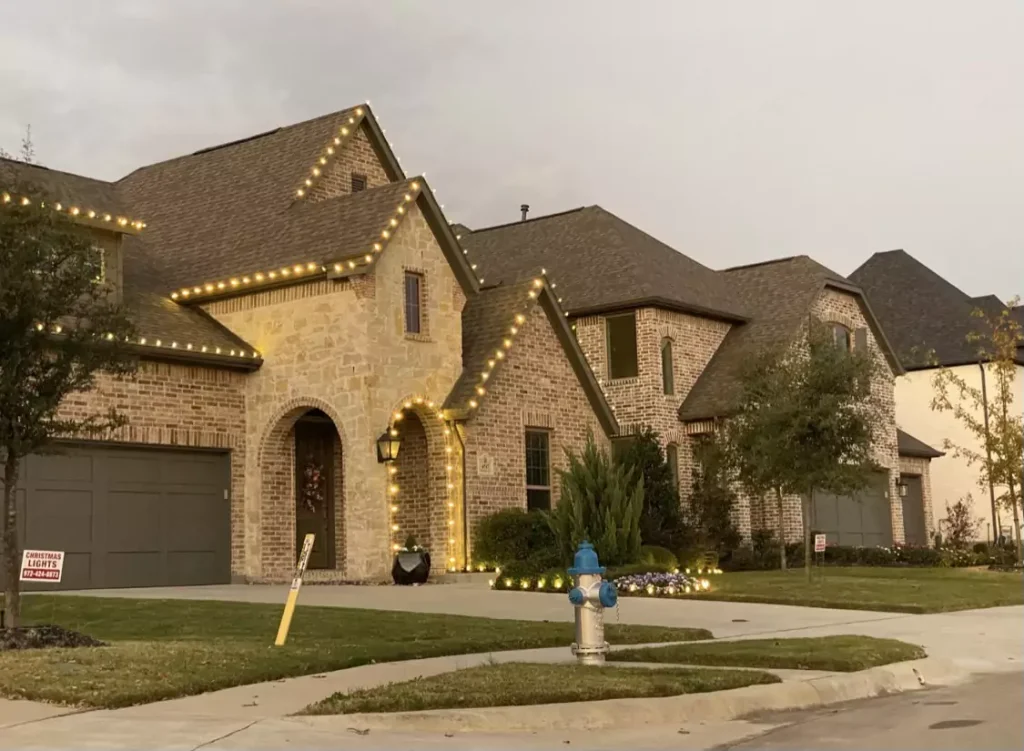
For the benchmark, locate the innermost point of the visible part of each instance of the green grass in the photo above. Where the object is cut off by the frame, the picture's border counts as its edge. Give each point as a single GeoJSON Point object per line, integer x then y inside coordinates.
{"type": "Point", "coordinates": [903, 590]}
{"type": "Point", "coordinates": [162, 649]}
{"type": "Point", "coordinates": [517, 684]}
{"type": "Point", "coordinates": [834, 653]}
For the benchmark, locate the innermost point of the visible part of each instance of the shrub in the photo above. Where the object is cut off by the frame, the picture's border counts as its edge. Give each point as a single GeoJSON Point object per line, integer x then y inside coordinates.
{"type": "Point", "coordinates": [661, 521]}
{"type": "Point", "coordinates": [712, 498]}
{"type": "Point", "coordinates": [515, 535]}
{"type": "Point", "coordinates": [980, 548]}
{"type": "Point", "coordinates": [960, 527]}
{"type": "Point", "coordinates": [654, 555]}
{"type": "Point", "coordinates": [601, 502]}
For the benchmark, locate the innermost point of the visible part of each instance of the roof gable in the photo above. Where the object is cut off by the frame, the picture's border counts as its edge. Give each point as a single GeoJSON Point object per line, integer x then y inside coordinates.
{"type": "Point", "coordinates": [489, 322]}
{"type": "Point", "coordinates": [600, 262]}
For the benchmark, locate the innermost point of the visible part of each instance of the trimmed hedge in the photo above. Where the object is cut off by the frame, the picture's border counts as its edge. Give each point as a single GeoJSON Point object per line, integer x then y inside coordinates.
{"type": "Point", "coordinates": [765, 556]}
{"type": "Point", "coordinates": [657, 556]}
{"type": "Point", "coordinates": [513, 535]}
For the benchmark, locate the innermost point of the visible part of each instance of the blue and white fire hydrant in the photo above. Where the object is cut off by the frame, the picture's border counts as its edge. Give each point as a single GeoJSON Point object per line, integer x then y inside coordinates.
{"type": "Point", "coordinates": [591, 596]}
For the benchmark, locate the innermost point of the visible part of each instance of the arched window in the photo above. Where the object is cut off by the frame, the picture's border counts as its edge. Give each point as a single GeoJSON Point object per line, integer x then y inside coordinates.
{"type": "Point", "coordinates": [668, 379]}
{"type": "Point", "coordinates": [672, 459]}
{"type": "Point", "coordinates": [841, 336]}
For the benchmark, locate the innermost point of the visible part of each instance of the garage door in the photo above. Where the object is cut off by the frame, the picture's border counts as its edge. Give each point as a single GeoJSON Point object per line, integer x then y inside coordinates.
{"type": "Point", "coordinates": [129, 517]}
{"type": "Point", "coordinates": [863, 518]}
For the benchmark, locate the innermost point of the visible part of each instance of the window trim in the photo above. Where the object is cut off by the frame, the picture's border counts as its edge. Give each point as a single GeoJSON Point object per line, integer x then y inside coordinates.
{"type": "Point", "coordinates": [836, 327]}
{"type": "Point", "coordinates": [668, 385]}
{"type": "Point", "coordinates": [526, 458]}
{"type": "Point", "coordinates": [352, 182]}
{"type": "Point", "coordinates": [418, 276]}
{"type": "Point", "coordinates": [608, 345]}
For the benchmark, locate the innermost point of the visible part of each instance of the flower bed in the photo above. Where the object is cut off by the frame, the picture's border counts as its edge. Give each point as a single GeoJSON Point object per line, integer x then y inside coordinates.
{"type": "Point", "coordinates": [661, 585]}
{"type": "Point", "coordinates": [636, 580]}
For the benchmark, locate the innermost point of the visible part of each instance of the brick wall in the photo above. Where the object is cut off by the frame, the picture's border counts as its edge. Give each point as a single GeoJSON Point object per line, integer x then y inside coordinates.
{"type": "Point", "coordinates": [178, 405]}
{"type": "Point", "coordinates": [340, 347]}
{"type": "Point", "coordinates": [534, 387]}
{"type": "Point", "coordinates": [412, 479]}
{"type": "Point", "coordinates": [356, 157]}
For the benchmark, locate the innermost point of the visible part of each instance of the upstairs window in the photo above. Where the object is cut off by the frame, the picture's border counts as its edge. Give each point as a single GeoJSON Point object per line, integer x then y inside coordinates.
{"type": "Point", "coordinates": [621, 334]}
{"type": "Point", "coordinates": [538, 471]}
{"type": "Point", "coordinates": [668, 378]}
{"type": "Point", "coordinates": [96, 262]}
{"type": "Point", "coordinates": [841, 336]}
{"type": "Point", "coordinates": [358, 183]}
{"type": "Point", "coordinates": [413, 303]}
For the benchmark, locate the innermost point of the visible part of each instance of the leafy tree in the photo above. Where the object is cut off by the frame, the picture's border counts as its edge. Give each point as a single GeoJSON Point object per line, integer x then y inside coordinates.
{"type": "Point", "coordinates": [59, 328]}
{"type": "Point", "coordinates": [998, 448]}
{"type": "Point", "coordinates": [600, 502]}
{"type": "Point", "coordinates": [661, 521]}
{"type": "Point", "coordinates": [960, 526]}
{"type": "Point", "coordinates": [712, 496]}
{"type": "Point", "coordinates": [807, 421]}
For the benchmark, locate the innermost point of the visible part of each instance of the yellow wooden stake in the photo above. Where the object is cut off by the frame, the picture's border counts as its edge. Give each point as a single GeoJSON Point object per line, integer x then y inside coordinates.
{"type": "Point", "coordinates": [293, 592]}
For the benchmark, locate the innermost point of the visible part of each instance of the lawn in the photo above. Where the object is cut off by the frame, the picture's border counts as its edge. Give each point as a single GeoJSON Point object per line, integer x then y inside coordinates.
{"type": "Point", "coordinates": [517, 684]}
{"type": "Point", "coordinates": [835, 653]}
{"type": "Point", "coordinates": [162, 649]}
{"type": "Point", "coordinates": [905, 590]}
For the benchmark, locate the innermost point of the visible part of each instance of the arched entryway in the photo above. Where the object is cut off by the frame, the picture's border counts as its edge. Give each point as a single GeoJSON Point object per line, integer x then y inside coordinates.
{"type": "Point", "coordinates": [302, 491]}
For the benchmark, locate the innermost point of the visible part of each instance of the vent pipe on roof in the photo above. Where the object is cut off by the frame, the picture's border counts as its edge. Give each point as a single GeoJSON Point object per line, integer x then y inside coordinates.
{"type": "Point", "coordinates": [525, 208]}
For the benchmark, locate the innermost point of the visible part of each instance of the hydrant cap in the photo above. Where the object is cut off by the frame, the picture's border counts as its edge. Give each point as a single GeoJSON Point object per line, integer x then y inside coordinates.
{"type": "Point", "coordinates": [585, 561]}
{"type": "Point", "coordinates": [608, 595]}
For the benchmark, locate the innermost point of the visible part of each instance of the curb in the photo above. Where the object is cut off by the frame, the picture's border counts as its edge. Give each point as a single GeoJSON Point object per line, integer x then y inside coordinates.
{"type": "Point", "coordinates": [717, 706]}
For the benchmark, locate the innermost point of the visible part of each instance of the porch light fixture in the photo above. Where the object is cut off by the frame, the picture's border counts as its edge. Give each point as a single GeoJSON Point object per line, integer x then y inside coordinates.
{"type": "Point", "coordinates": [387, 446]}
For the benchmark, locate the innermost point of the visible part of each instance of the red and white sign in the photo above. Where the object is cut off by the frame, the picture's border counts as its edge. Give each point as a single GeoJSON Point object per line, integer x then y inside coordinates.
{"type": "Point", "coordinates": [819, 543]}
{"type": "Point", "coordinates": [42, 566]}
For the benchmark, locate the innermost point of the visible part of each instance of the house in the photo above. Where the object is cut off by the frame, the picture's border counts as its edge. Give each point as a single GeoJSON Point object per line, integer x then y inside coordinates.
{"type": "Point", "coordinates": [667, 339]}
{"type": "Point", "coordinates": [928, 320]}
{"type": "Point", "coordinates": [303, 306]}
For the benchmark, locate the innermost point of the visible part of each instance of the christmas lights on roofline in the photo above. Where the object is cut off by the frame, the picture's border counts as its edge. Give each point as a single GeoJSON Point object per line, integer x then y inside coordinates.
{"type": "Point", "coordinates": [77, 212]}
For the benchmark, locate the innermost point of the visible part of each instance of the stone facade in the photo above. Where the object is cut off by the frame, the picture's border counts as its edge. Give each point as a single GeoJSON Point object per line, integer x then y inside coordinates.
{"type": "Point", "coordinates": [534, 387]}
{"type": "Point", "coordinates": [339, 346]}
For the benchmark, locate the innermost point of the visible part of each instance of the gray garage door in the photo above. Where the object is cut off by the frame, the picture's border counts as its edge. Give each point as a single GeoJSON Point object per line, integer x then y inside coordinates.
{"type": "Point", "coordinates": [129, 517]}
{"type": "Point", "coordinates": [860, 519]}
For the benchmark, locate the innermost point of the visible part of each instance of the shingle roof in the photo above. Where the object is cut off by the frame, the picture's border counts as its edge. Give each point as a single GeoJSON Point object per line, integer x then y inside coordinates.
{"type": "Point", "coordinates": [599, 262]}
{"type": "Point", "coordinates": [486, 320]}
{"type": "Point", "coordinates": [779, 295]}
{"type": "Point", "coordinates": [65, 187]}
{"type": "Point", "coordinates": [910, 446]}
{"type": "Point", "coordinates": [922, 313]}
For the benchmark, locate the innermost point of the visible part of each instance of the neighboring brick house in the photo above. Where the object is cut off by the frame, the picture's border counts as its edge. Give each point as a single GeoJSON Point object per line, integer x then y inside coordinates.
{"type": "Point", "coordinates": [668, 337]}
{"type": "Point", "coordinates": [929, 320]}
{"type": "Point", "coordinates": [297, 298]}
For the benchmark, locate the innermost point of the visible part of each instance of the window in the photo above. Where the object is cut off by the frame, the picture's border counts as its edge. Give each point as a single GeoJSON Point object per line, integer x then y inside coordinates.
{"type": "Point", "coordinates": [668, 378]}
{"type": "Point", "coordinates": [538, 472]}
{"type": "Point", "coordinates": [841, 336]}
{"type": "Point", "coordinates": [672, 459]}
{"type": "Point", "coordinates": [621, 332]}
{"type": "Point", "coordinates": [413, 302]}
{"type": "Point", "coordinates": [96, 262]}
{"type": "Point", "coordinates": [358, 183]}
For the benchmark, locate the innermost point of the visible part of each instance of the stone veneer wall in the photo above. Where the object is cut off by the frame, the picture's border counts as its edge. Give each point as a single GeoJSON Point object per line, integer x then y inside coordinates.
{"type": "Point", "coordinates": [914, 465]}
{"type": "Point", "coordinates": [534, 387]}
{"type": "Point", "coordinates": [340, 347]}
{"type": "Point", "coordinates": [178, 405]}
{"type": "Point", "coordinates": [357, 157]}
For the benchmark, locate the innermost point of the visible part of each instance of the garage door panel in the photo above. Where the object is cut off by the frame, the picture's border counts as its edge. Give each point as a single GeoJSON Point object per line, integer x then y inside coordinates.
{"type": "Point", "coordinates": [59, 520]}
{"type": "Point", "coordinates": [134, 569]}
{"type": "Point", "coordinates": [860, 519]}
{"type": "Point", "coordinates": [129, 517]}
{"type": "Point", "coordinates": [133, 521]}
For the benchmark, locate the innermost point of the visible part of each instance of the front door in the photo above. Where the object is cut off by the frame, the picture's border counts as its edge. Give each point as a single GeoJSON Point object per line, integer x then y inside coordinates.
{"type": "Point", "coordinates": [914, 531]}
{"type": "Point", "coordinates": [314, 491]}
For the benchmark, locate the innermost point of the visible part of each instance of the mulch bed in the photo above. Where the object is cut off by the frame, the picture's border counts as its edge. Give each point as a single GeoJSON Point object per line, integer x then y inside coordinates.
{"type": "Point", "coordinates": [44, 637]}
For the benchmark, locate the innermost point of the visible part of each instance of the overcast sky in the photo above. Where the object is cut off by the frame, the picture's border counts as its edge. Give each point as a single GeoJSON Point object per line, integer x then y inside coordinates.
{"type": "Point", "coordinates": [736, 131]}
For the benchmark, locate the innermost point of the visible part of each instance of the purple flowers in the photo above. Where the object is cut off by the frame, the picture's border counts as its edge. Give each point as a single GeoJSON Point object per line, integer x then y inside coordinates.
{"type": "Point", "coordinates": [656, 584]}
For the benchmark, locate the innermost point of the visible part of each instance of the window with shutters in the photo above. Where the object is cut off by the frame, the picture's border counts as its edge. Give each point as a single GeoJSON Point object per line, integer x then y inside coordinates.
{"type": "Point", "coordinates": [538, 470]}
{"type": "Point", "coordinates": [668, 379]}
{"type": "Point", "coordinates": [413, 303]}
{"type": "Point", "coordinates": [621, 335]}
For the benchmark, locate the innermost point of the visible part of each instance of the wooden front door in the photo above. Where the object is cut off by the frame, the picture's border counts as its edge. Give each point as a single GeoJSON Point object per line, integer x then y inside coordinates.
{"type": "Point", "coordinates": [314, 491]}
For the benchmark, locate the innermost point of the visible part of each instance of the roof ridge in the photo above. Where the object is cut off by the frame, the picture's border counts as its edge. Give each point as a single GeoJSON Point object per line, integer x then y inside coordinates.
{"type": "Point", "coordinates": [239, 141]}
{"type": "Point", "coordinates": [527, 221]}
{"type": "Point", "coordinates": [33, 165]}
{"type": "Point", "coordinates": [770, 261]}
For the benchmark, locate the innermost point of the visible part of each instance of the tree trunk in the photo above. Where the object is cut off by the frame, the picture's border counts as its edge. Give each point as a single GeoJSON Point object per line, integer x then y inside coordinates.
{"type": "Point", "coordinates": [782, 530]}
{"type": "Point", "coordinates": [806, 507]}
{"type": "Point", "coordinates": [9, 543]}
{"type": "Point", "coordinates": [1016, 522]}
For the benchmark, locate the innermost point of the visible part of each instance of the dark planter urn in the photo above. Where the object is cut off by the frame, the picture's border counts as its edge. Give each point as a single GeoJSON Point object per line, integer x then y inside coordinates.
{"type": "Point", "coordinates": [411, 567]}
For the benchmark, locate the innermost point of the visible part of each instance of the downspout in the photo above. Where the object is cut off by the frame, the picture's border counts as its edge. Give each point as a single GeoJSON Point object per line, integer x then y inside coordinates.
{"type": "Point", "coordinates": [988, 456]}
{"type": "Point", "coordinates": [465, 505]}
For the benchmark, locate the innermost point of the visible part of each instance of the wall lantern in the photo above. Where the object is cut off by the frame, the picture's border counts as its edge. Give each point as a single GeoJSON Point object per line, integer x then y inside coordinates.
{"type": "Point", "coordinates": [904, 489]}
{"type": "Point", "coordinates": [388, 445]}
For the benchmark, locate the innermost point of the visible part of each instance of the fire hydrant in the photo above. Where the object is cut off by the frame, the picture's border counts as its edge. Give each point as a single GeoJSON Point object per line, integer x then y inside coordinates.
{"type": "Point", "coordinates": [591, 596]}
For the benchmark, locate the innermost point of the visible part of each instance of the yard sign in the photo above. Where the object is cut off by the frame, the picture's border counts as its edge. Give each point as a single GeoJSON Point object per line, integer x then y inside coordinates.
{"type": "Point", "coordinates": [42, 566]}
{"type": "Point", "coordinates": [293, 592]}
{"type": "Point", "coordinates": [819, 543]}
